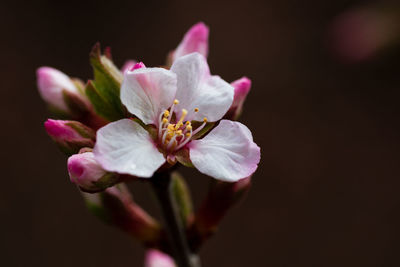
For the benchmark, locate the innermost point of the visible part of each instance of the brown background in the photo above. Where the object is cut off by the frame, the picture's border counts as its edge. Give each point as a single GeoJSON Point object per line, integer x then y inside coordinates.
{"type": "Point", "coordinates": [327, 189]}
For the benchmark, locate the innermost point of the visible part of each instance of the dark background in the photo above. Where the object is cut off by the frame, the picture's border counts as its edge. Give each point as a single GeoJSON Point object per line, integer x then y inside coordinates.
{"type": "Point", "coordinates": [326, 192]}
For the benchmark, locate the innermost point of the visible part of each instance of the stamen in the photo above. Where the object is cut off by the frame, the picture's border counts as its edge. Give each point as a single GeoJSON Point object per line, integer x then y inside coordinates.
{"type": "Point", "coordinates": [171, 142]}
{"type": "Point", "coordinates": [165, 120]}
{"type": "Point", "coordinates": [179, 123]}
{"type": "Point", "coordinates": [196, 110]}
{"type": "Point", "coordinates": [176, 101]}
{"type": "Point", "coordinates": [166, 113]}
{"type": "Point", "coordinates": [200, 127]}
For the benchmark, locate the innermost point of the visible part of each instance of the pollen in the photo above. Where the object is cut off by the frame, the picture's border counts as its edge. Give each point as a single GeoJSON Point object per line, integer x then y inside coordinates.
{"type": "Point", "coordinates": [205, 119]}
{"type": "Point", "coordinates": [176, 101]}
{"type": "Point", "coordinates": [196, 110]}
{"type": "Point", "coordinates": [166, 113]}
{"type": "Point", "coordinates": [165, 120]}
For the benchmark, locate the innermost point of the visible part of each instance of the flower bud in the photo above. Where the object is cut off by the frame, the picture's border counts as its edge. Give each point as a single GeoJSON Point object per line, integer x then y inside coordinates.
{"type": "Point", "coordinates": [59, 91]}
{"type": "Point", "coordinates": [70, 136]}
{"type": "Point", "coordinates": [221, 197]}
{"type": "Point", "coordinates": [87, 173]}
{"type": "Point", "coordinates": [156, 258]}
{"type": "Point", "coordinates": [242, 88]}
{"type": "Point", "coordinates": [116, 207]}
{"type": "Point", "coordinates": [128, 65]}
{"type": "Point", "coordinates": [195, 40]}
{"type": "Point", "coordinates": [137, 66]}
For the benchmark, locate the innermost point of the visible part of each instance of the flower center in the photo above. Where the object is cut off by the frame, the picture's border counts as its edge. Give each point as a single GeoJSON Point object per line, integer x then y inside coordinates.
{"type": "Point", "coordinates": [174, 135]}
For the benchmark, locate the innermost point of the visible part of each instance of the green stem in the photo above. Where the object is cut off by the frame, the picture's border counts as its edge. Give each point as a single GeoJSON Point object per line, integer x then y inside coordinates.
{"type": "Point", "coordinates": [176, 233]}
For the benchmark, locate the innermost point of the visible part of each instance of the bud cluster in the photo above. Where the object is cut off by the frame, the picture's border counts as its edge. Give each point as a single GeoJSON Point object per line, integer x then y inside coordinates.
{"type": "Point", "coordinates": [82, 109]}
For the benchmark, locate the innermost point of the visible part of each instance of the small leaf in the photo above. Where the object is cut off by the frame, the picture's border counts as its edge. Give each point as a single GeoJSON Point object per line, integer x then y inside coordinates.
{"type": "Point", "coordinates": [107, 82]}
{"type": "Point", "coordinates": [181, 193]}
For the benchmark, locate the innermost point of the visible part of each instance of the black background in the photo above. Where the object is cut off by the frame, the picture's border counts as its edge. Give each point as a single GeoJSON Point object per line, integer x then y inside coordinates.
{"type": "Point", "coordinates": [326, 190]}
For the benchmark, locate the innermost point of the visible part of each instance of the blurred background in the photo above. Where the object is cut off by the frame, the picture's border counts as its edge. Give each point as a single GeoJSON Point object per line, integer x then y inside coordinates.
{"type": "Point", "coordinates": [323, 108]}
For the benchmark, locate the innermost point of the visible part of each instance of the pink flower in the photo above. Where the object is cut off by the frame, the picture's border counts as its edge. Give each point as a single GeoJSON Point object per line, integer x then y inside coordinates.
{"type": "Point", "coordinates": [70, 136]}
{"type": "Point", "coordinates": [156, 258]}
{"type": "Point", "coordinates": [178, 103]}
{"type": "Point", "coordinates": [195, 40]}
{"type": "Point", "coordinates": [87, 173]}
{"type": "Point", "coordinates": [53, 84]}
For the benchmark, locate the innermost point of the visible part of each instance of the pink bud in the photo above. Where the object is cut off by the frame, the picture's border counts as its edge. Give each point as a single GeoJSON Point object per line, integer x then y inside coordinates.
{"type": "Point", "coordinates": [156, 258]}
{"type": "Point", "coordinates": [116, 206]}
{"type": "Point", "coordinates": [195, 40]}
{"type": "Point", "coordinates": [51, 84]}
{"type": "Point", "coordinates": [242, 88]}
{"type": "Point", "coordinates": [221, 197]}
{"type": "Point", "coordinates": [70, 136]}
{"type": "Point", "coordinates": [128, 65]}
{"type": "Point", "coordinates": [87, 173]}
{"type": "Point", "coordinates": [138, 66]}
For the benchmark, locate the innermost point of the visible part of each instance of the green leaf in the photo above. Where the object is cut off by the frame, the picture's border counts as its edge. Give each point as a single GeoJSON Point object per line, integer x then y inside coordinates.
{"type": "Point", "coordinates": [181, 194]}
{"type": "Point", "coordinates": [102, 107]}
{"type": "Point", "coordinates": [104, 91]}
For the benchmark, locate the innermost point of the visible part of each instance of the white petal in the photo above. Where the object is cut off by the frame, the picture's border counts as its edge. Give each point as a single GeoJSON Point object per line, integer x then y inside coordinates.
{"type": "Point", "coordinates": [125, 147]}
{"type": "Point", "coordinates": [198, 89]}
{"type": "Point", "coordinates": [227, 153]}
{"type": "Point", "coordinates": [146, 92]}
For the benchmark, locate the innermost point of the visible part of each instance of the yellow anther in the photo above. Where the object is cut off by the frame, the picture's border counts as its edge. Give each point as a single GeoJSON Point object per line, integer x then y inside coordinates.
{"type": "Point", "coordinates": [187, 134]}
{"type": "Point", "coordinates": [189, 127]}
{"type": "Point", "coordinates": [188, 123]}
{"type": "Point", "coordinates": [205, 119]}
{"type": "Point", "coordinates": [178, 125]}
{"type": "Point", "coordinates": [165, 120]}
{"type": "Point", "coordinates": [184, 112]}
{"type": "Point", "coordinates": [171, 127]}
{"type": "Point", "coordinates": [179, 132]}
{"type": "Point", "coordinates": [196, 110]}
{"type": "Point", "coordinates": [166, 113]}
{"type": "Point", "coordinates": [176, 101]}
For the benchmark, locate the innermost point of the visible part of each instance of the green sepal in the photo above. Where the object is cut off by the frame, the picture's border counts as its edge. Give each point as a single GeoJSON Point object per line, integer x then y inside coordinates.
{"type": "Point", "coordinates": [104, 90]}
{"type": "Point", "coordinates": [101, 105]}
{"type": "Point", "coordinates": [94, 205]}
{"type": "Point", "coordinates": [184, 158]}
{"type": "Point", "coordinates": [181, 194]}
{"type": "Point", "coordinates": [202, 132]}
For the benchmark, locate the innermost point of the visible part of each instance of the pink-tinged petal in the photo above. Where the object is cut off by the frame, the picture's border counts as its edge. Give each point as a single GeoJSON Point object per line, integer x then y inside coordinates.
{"type": "Point", "coordinates": [146, 92]}
{"type": "Point", "coordinates": [125, 147]}
{"type": "Point", "coordinates": [198, 89]}
{"type": "Point", "coordinates": [241, 89]}
{"type": "Point", "coordinates": [85, 171]}
{"type": "Point", "coordinates": [195, 40]}
{"type": "Point", "coordinates": [156, 258]}
{"type": "Point", "coordinates": [227, 153]}
{"type": "Point", "coordinates": [51, 83]}
{"type": "Point", "coordinates": [128, 65]}
{"type": "Point", "coordinates": [70, 136]}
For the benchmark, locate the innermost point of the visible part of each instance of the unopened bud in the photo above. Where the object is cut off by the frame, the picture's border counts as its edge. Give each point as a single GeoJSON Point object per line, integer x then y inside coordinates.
{"type": "Point", "coordinates": [70, 136]}
{"type": "Point", "coordinates": [116, 207]}
{"type": "Point", "coordinates": [156, 258]}
{"type": "Point", "coordinates": [242, 88]}
{"type": "Point", "coordinates": [59, 91]}
{"type": "Point", "coordinates": [87, 173]}
{"type": "Point", "coordinates": [221, 197]}
{"type": "Point", "coordinates": [195, 40]}
{"type": "Point", "coordinates": [137, 66]}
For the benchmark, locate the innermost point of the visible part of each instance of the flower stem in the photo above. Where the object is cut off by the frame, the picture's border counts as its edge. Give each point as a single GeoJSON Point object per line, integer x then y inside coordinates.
{"type": "Point", "coordinates": [176, 233]}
